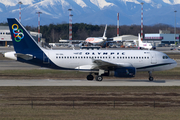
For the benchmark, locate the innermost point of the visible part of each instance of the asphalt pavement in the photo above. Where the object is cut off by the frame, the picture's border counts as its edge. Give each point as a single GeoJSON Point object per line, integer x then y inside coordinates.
{"type": "Point", "coordinates": [51, 82]}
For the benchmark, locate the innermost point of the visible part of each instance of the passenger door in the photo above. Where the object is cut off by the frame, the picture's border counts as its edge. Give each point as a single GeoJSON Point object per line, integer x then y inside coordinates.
{"type": "Point", "coordinates": [153, 58]}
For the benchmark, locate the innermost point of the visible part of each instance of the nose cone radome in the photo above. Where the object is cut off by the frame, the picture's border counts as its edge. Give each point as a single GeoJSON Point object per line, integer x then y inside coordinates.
{"type": "Point", "coordinates": [173, 64]}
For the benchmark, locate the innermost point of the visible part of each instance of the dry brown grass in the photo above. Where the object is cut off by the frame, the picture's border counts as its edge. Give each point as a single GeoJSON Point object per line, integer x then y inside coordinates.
{"type": "Point", "coordinates": [47, 103]}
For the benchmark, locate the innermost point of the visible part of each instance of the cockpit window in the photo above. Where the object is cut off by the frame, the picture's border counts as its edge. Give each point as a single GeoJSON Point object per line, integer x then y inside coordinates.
{"type": "Point", "coordinates": [165, 57]}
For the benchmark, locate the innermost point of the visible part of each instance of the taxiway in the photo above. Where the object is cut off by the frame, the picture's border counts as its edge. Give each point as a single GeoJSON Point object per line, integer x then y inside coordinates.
{"type": "Point", "coordinates": [50, 82]}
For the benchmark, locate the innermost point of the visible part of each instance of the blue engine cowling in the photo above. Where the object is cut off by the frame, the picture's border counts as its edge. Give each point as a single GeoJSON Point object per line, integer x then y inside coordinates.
{"type": "Point", "coordinates": [122, 72]}
{"type": "Point", "coordinates": [125, 72]}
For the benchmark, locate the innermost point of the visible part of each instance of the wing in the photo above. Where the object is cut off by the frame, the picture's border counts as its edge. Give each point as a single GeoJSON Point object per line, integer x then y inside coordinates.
{"type": "Point", "coordinates": [104, 65]}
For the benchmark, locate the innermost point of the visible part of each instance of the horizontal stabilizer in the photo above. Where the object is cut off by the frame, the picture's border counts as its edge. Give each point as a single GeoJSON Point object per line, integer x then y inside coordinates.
{"type": "Point", "coordinates": [24, 56]}
{"type": "Point", "coordinates": [85, 67]}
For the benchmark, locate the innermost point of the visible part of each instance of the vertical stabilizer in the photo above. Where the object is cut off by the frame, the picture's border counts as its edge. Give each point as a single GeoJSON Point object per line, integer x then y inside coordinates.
{"type": "Point", "coordinates": [104, 35]}
{"type": "Point", "coordinates": [22, 40]}
{"type": "Point", "coordinates": [139, 39]}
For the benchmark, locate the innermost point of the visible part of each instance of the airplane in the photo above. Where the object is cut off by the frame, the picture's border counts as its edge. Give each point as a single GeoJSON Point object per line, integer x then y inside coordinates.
{"type": "Point", "coordinates": [145, 45]}
{"type": "Point", "coordinates": [118, 63]}
{"type": "Point", "coordinates": [97, 40]}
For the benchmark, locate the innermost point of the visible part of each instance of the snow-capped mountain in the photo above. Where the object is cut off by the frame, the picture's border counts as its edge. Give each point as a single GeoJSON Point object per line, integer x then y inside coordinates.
{"type": "Point", "coordinates": [92, 11]}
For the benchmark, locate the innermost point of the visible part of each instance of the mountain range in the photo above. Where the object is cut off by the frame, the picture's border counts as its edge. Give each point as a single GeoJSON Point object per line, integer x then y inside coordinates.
{"type": "Point", "coordinates": [92, 11]}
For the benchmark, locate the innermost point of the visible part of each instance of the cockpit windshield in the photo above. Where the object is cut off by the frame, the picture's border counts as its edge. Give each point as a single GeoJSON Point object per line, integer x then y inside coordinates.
{"type": "Point", "coordinates": [165, 57]}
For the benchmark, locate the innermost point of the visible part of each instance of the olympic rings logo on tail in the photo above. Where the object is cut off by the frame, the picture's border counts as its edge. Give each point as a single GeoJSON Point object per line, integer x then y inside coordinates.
{"type": "Point", "coordinates": [18, 33]}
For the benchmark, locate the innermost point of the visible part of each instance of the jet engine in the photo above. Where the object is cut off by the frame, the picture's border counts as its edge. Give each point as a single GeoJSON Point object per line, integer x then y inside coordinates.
{"type": "Point", "coordinates": [122, 72]}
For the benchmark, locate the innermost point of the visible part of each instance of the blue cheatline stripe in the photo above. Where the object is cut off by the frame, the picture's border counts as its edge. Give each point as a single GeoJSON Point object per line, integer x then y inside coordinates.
{"type": "Point", "coordinates": [151, 66]}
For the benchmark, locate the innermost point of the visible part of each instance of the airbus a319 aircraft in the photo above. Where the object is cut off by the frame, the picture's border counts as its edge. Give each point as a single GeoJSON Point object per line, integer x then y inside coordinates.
{"type": "Point", "coordinates": [118, 63]}
{"type": "Point", "coordinates": [143, 45]}
{"type": "Point", "coordinates": [97, 40]}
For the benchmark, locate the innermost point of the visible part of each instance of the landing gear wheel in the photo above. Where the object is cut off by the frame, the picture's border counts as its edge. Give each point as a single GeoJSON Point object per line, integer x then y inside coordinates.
{"type": "Point", "coordinates": [99, 78]}
{"type": "Point", "coordinates": [151, 78]}
{"type": "Point", "coordinates": [90, 77]}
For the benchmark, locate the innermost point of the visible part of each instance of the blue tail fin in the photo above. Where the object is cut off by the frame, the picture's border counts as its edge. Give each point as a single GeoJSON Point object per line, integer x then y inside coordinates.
{"type": "Point", "coordinates": [22, 40]}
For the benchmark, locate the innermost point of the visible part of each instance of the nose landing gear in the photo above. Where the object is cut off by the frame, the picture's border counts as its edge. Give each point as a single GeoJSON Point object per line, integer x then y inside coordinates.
{"type": "Point", "coordinates": [150, 76]}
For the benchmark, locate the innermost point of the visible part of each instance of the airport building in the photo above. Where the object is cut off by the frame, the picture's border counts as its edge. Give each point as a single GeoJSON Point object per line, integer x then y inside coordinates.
{"type": "Point", "coordinates": [127, 40]}
{"type": "Point", "coordinates": [164, 37]}
{"type": "Point", "coordinates": [5, 36]}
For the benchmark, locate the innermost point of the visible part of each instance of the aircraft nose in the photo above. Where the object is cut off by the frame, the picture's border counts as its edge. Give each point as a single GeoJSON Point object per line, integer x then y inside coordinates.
{"type": "Point", "coordinates": [173, 64]}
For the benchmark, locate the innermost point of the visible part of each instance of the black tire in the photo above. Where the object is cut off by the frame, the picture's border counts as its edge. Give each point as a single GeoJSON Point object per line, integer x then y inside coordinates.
{"type": "Point", "coordinates": [90, 77]}
{"type": "Point", "coordinates": [99, 78]}
{"type": "Point", "coordinates": [151, 78]}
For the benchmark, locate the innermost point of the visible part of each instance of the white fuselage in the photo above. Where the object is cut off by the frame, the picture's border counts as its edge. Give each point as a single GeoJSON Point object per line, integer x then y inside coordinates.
{"type": "Point", "coordinates": [145, 45]}
{"type": "Point", "coordinates": [141, 60]}
{"type": "Point", "coordinates": [95, 40]}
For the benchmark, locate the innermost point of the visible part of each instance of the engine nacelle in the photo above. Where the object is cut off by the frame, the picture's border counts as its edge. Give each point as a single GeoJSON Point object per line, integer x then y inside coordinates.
{"type": "Point", "coordinates": [122, 72]}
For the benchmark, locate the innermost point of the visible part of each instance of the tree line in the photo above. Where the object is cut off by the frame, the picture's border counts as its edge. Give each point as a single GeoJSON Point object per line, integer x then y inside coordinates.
{"type": "Point", "coordinates": [80, 31]}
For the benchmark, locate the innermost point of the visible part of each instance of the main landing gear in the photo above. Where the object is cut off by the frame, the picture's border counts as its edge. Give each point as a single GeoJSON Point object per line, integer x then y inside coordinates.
{"type": "Point", "coordinates": [99, 77]}
{"type": "Point", "coordinates": [91, 77]}
{"type": "Point", "coordinates": [150, 76]}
